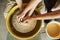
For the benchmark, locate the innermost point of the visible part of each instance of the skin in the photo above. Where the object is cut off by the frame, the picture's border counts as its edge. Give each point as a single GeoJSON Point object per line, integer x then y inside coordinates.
{"type": "Point", "coordinates": [19, 3]}
{"type": "Point", "coordinates": [29, 8]}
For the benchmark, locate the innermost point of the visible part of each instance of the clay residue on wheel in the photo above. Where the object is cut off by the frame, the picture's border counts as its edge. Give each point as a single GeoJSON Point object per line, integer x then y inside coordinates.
{"type": "Point", "coordinates": [22, 26]}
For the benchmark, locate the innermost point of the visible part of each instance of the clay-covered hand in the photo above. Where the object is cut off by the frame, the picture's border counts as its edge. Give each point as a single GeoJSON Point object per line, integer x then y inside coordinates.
{"type": "Point", "coordinates": [29, 9]}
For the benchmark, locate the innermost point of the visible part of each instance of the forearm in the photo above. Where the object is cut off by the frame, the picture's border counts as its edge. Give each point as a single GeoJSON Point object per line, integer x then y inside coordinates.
{"type": "Point", "coordinates": [19, 3]}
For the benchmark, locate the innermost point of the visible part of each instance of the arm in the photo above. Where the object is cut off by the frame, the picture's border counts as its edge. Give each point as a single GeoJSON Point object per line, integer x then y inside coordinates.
{"type": "Point", "coordinates": [19, 3]}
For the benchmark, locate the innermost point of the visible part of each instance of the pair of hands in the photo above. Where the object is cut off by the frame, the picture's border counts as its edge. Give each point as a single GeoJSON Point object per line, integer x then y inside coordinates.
{"type": "Point", "coordinates": [29, 8]}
